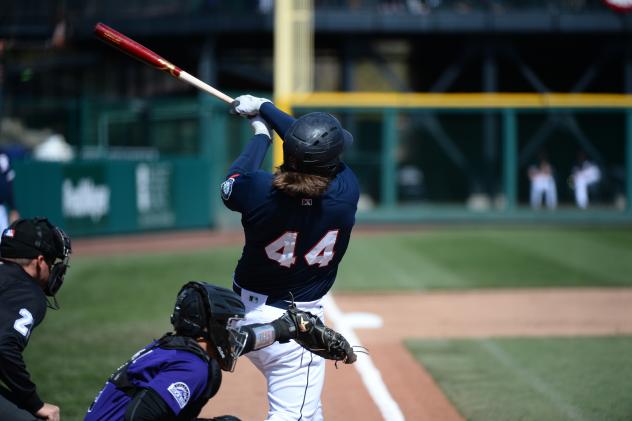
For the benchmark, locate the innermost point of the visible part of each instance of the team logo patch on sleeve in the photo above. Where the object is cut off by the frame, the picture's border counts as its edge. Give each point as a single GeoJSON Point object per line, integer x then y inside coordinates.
{"type": "Point", "coordinates": [227, 188]}
{"type": "Point", "coordinates": [180, 392]}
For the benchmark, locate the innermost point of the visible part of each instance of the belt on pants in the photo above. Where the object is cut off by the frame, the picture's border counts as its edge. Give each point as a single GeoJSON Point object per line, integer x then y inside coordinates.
{"type": "Point", "coordinates": [282, 304]}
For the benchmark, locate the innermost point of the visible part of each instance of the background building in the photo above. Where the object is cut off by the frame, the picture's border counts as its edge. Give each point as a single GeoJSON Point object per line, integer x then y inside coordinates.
{"type": "Point", "coordinates": [57, 78]}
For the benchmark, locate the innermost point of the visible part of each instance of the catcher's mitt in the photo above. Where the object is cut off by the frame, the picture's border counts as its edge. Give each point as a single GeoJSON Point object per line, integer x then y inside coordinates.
{"type": "Point", "coordinates": [312, 334]}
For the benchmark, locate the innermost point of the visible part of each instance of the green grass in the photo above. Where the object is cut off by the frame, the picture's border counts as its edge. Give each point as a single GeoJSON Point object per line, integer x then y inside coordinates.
{"type": "Point", "coordinates": [484, 257]}
{"type": "Point", "coordinates": [533, 379]}
{"type": "Point", "coordinates": [110, 307]}
{"type": "Point", "coordinates": [113, 305]}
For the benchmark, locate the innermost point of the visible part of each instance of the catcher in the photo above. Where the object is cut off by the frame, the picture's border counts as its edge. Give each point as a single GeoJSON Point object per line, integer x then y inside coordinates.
{"type": "Point", "coordinates": [173, 377]}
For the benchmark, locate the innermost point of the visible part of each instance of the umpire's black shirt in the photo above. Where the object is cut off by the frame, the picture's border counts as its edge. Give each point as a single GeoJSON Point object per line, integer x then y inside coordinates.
{"type": "Point", "coordinates": [22, 307]}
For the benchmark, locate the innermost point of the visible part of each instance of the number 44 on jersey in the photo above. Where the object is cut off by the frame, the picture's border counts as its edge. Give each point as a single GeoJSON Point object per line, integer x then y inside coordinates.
{"type": "Point", "coordinates": [282, 249]}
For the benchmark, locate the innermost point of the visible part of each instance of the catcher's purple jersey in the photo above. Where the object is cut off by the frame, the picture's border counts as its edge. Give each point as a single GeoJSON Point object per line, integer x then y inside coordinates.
{"type": "Point", "coordinates": [178, 376]}
{"type": "Point", "coordinates": [292, 243]}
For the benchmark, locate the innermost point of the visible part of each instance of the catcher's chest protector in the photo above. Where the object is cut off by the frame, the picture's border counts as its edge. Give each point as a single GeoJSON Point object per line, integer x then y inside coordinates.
{"type": "Point", "coordinates": [121, 379]}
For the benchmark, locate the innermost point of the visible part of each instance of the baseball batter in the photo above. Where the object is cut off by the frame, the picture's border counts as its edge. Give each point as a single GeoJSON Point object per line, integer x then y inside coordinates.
{"type": "Point", "coordinates": [297, 224]}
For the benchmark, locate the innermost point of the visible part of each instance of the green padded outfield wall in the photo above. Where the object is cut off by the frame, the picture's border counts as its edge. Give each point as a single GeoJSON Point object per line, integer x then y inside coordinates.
{"type": "Point", "coordinates": [108, 197]}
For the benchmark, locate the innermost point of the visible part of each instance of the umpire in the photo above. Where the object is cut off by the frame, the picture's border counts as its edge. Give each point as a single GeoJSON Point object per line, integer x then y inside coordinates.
{"type": "Point", "coordinates": [34, 257]}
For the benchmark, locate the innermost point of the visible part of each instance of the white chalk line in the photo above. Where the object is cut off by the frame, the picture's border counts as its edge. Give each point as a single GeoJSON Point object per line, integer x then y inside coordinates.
{"type": "Point", "coordinates": [369, 374]}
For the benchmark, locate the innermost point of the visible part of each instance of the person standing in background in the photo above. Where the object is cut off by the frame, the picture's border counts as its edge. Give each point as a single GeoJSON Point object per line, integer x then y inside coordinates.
{"type": "Point", "coordinates": [8, 211]}
{"type": "Point", "coordinates": [542, 184]}
{"type": "Point", "coordinates": [583, 176]}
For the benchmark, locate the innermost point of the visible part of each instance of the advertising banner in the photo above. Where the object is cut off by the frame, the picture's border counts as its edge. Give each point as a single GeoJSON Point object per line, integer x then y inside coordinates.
{"type": "Point", "coordinates": [154, 194]}
{"type": "Point", "coordinates": [85, 197]}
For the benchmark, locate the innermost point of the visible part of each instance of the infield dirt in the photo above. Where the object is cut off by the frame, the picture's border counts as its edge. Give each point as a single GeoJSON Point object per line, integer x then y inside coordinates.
{"type": "Point", "coordinates": [463, 314]}
{"type": "Point", "coordinates": [545, 312]}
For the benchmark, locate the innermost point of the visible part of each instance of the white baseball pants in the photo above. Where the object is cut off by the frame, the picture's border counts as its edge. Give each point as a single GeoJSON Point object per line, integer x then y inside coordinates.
{"type": "Point", "coordinates": [295, 376]}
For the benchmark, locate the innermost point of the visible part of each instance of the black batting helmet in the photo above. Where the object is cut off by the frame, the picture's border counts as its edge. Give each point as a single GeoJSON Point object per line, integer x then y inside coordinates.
{"type": "Point", "coordinates": [206, 311]}
{"type": "Point", "coordinates": [313, 144]}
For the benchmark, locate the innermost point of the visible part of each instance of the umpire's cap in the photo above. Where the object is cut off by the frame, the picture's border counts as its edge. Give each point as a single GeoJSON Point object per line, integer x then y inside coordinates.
{"type": "Point", "coordinates": [313, 144]}
{"type": "Point", "coordinates": [29, 238]}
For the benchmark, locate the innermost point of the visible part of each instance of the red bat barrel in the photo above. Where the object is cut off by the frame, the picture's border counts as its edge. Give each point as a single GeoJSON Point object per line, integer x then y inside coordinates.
{"type": "Point", "coordinates": [134, 49]}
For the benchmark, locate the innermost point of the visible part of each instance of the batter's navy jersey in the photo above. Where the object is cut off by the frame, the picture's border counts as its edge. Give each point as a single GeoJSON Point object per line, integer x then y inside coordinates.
{"type": "Point", "coordinates": [292, 243]}
{"type": "Point", "coordinates": [178, 376]}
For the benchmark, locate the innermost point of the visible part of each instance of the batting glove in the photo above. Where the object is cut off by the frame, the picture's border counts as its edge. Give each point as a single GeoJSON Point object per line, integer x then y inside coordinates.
{"type": "Point", "coordinates": [248, 105]}
{"type": "Point", "coordinates": [259, 126]}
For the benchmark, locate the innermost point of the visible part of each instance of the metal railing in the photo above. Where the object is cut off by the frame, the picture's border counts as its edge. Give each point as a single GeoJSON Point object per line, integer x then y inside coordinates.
{"type": "Point", "coordinates": [26, 11]}
{"type": "Point", "coordinates": [443, 134]}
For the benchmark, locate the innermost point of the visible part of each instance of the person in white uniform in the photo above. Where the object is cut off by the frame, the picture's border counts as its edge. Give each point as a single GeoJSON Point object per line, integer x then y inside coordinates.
{"type": "Point", "coordinates": [584, 175]}
{"type": "Point", "coordinates": [8, 211]}
{"type": "Point", "coordinates": [542, 184]}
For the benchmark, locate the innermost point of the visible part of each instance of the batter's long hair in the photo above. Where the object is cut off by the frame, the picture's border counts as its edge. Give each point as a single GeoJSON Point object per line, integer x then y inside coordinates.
{"type": "Point", "coordinates": [297, 184]}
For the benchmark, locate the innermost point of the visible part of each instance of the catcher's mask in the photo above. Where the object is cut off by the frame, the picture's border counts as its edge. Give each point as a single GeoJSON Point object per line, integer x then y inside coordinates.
{"type": "Point", "coordinates": [313, 144]}
{"type": "Point", "coordinates": [210, 312]}
{"type": "Point", "coordinates": [29, 238]}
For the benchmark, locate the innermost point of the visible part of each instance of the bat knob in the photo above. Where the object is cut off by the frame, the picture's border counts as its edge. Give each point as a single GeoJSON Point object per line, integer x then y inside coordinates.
{"type": "Point", "coordinates": [233, 107]}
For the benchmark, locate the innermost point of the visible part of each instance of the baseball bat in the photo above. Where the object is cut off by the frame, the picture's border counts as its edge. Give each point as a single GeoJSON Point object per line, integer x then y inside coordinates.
{"type": "Point", "coordinates": [144, 54]}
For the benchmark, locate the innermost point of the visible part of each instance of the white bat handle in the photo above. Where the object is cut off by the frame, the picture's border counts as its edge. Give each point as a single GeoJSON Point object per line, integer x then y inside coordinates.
{"type": "Point", "coordinates": [205, 87]}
